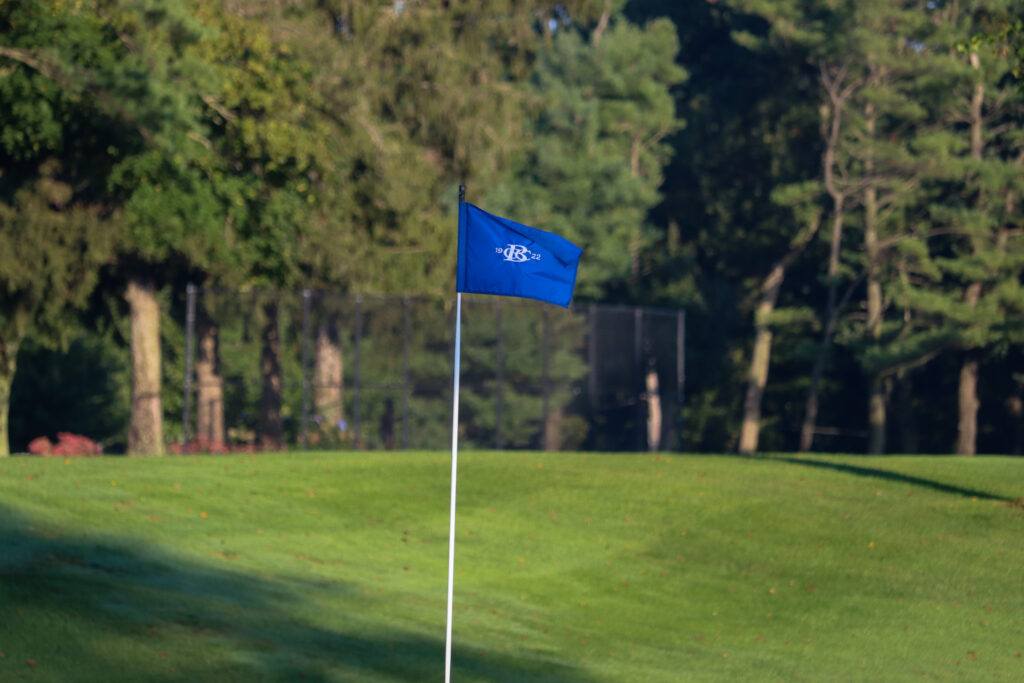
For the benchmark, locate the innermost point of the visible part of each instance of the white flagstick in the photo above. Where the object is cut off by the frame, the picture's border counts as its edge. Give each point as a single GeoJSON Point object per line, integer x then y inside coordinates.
{"type": "Point", "coordinates": [455, 468]}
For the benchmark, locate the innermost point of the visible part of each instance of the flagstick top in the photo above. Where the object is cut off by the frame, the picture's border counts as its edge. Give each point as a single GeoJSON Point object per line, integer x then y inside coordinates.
{"type": "Point", "coordinates": [462, 193]}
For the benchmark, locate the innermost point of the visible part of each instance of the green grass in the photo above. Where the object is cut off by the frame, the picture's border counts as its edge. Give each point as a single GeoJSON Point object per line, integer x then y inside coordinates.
{"type": "Point", "coordinates": [569, 567]}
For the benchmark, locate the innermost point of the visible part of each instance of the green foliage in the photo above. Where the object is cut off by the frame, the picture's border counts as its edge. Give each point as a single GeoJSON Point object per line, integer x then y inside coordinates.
{"type": "Point", "coordinates": [969, 240]}
{"type": "Point", "coordinates": [51, 247]}
{"type": "Point", "coordinates": [319, 143]}
{"type": "Point", "coordinates": [530, 337]}
{"type": "Point", "coordinates": [1003, 34]}
{"type": "Point", "coordinates": [927, 212]}
{"type": "Point", "coordinates": [590, 171]}
{"type": "Point", "coordinates": [55, 227]}
{"type": "Point", "coordinates": [226, 181]}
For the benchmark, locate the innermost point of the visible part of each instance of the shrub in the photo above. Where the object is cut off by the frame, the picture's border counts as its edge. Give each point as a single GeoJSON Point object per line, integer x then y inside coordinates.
{"type": "Point", "coordinates": [40, 446]}
{"type": "Point", "coordinates": [68, 445]}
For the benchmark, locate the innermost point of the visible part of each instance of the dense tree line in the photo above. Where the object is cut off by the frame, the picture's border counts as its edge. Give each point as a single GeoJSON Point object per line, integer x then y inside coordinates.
{"type": "Point", "coordinates": [832, 189]}
{"type": "Point", "coordinates": [848, 184]}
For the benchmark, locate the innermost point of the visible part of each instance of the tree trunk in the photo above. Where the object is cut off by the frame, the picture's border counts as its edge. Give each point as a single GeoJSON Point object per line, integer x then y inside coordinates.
{"type": "Point", "coordinates": [553, 429]}
{"type": "Point", "coordinates": [967, 391]}
{"type": "Point", "coordinates": [877, 392]}
{"type": "Point", "coordinates": [837, 95]}
{"type": "Point", "coordinates": [271, 423]}
{"type": "Point", "coordinates": [967, 425]}
{"type": "Point", "coordinates": [757, 375]}
{"type": "Point", "coordinates": [909, 443]}
{"type": "Point", "coordinates": [210, 389]}
{"type": "Point", "coordinates": [831, 318]}
{"type": "Point", "coordinates": [876, 415]}
{"type": "Point", "coordinates": [8, 364]}
{"type": "Point", "coordinates": [653, 411]}
{"type": "Point", "coordinates": [1015, 403]}
{"type": "Point", "coordinates": [1015, 407]}
{"type": "Point", "coordinates": [602, 24]}
{"type": "Point", "coordinates": [328, 376]}
{"type": "Point", "coordinates": [146, 425]}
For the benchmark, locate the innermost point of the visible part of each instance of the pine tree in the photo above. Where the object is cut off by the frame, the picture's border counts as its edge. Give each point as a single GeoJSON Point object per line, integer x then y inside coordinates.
{"type": "Point", "coordinates": [805, 48]}
{"type": "Point", "coordinates": [878, 73]}
{"type": "Point", "coordinates": [961, 270]}
{"type": "Point", "coordinates": [596, 147]}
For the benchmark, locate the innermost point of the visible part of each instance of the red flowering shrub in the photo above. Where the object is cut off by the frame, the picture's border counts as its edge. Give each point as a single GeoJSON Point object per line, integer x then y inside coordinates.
{"type": "Point", "coordinates": [68, 445]}
{"type": "Point", "coordinates": [40, 446]}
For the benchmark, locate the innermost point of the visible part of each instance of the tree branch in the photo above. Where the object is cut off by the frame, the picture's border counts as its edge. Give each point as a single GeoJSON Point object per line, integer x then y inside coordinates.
{"type": "Point", "coordinates": [213, 104]}
{"type": "Point", "coordinates": [602, 24]}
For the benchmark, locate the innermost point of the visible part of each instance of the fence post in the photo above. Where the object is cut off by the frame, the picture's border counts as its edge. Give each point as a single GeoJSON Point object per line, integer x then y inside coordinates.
{"type": "Point", "coordinates": [306, 294]}
{"type": "Point", "coordinates": [641, 383]}
{"type": "Point", "coordinates": [499, 436]}
{"type": "Point", "coordinates": [546, 387]}
{"type": "Point", "coordinates": [356, 375]}
{"type": "Point", "coordinates": [190, 328]}
{"type": "Point", "coordinates": [592, 355]}
{"type": "Point", "coordinates": [680, 370]}
{"type": "Point", "coordinates": [405, 372]}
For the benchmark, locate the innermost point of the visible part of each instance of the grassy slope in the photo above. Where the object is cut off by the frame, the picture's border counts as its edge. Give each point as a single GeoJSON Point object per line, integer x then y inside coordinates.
{"type": "Point", "coordinates": [332, 567]}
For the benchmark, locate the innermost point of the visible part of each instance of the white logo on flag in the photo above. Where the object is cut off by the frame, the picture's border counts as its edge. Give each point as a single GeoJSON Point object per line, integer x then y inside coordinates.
{"type": "Point", "coordinates": [517, 253]}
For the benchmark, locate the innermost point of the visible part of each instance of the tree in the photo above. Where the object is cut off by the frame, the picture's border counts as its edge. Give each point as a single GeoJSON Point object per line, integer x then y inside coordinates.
{"type": "Point", "coordinates": [412, 119]}
{"type": "Point", "coordinates": [765, 317]}
{"type": "Point", "coordinates": [890, 113]}
{"type": "Point", "coordinates": [601, 109]}
{"type": "Point", "coordinates": [724, 227]}
{"type": "Point", "coordinates": [223, 188]}
{"type": "Point", "coordinates": [56, 220]}
{"type": "Point", "coordinates": [876, 71]}
{"type": "Point", "coordinates": [52, 244]}
{"type": "Point", "coordinates": [960, 276]}
{"type": "Point", "coordinates": [161, 177]}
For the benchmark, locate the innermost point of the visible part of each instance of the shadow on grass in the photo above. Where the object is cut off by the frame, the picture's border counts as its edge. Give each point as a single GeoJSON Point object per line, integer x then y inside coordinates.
{"type": "Point", "coordinates": [103, 610]}
{"type": "Point", "coordinates": [889, 476]}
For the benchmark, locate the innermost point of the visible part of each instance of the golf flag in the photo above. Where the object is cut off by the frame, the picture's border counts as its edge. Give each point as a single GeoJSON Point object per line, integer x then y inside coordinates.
{"type": "Point", "coordinates": [499, 256]}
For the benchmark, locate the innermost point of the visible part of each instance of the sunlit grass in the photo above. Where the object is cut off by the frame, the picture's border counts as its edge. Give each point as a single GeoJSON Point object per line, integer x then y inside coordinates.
{"type": "Point", "coordinates": [570, 567]}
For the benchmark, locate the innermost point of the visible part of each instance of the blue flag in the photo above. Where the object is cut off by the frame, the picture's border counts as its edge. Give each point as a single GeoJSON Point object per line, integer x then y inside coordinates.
{"type": "Point", "coordinates": [499, 256]}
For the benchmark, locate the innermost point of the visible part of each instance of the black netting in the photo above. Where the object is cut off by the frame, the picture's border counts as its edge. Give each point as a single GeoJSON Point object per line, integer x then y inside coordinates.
{"type": "Point", "coordinates": [318, 370]}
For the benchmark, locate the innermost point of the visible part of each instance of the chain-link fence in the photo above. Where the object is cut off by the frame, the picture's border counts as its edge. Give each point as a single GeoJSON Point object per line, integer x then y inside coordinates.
{"type": "Point", "coordinates": [269, 370]}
